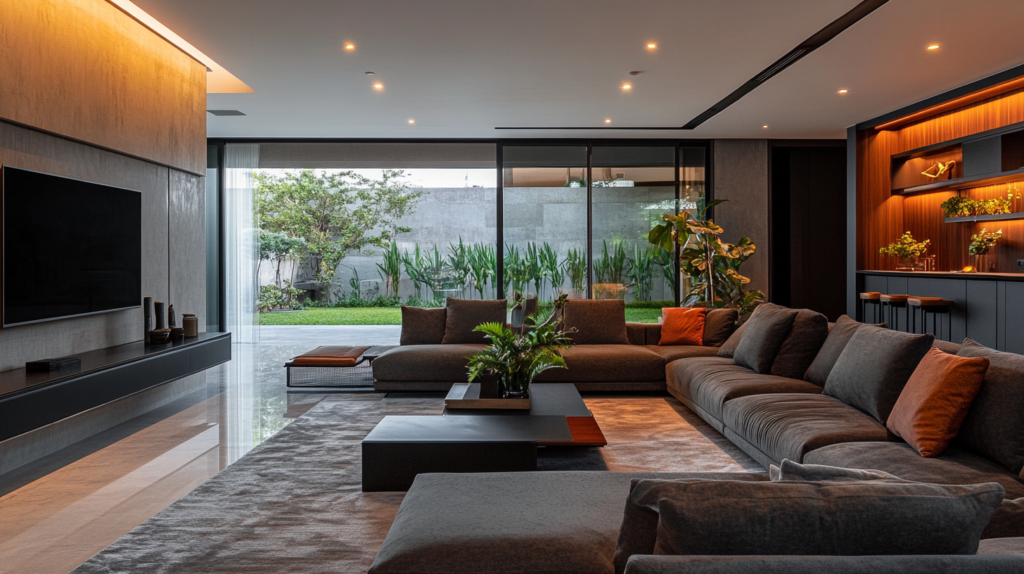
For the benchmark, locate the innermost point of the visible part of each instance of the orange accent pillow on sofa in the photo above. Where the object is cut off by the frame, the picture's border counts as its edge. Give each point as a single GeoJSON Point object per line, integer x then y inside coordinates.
{"type": "Point", "coordinates": [682, 326]}
{"type": "Point", "coordinates": [936, 399]}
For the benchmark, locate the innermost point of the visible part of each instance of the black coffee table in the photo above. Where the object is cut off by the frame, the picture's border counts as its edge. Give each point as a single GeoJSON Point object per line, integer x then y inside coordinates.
{"type": "Point", "coordinates": [400, 447]}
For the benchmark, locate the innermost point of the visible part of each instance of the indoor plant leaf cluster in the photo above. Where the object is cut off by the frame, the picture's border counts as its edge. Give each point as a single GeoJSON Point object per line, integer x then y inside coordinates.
{"type": "Point", "coordinates": [957, 206]}
{"type": "Point", "coordinates": [712, 263]}
{"type": "Point", "coordinates": [982, 242]}
{"type": "Point", "coordinates": [906, 247]}
{"type": "Point", "coordinates": [518, 356]}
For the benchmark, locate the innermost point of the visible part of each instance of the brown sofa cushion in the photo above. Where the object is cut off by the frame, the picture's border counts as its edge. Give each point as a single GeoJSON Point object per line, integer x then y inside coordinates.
{"type": "Point", "coordinates": [718, 326]}
{"type": "Point", "coordinates": [597, 322]}
{"type": "Point", "coordinates": [636, 333]}
{"type": "Point", "coordinates": [728, 348]}
{"type": "Point", "coordinates": [422, 326]}
{"type": "Point", "coordinates": [810, 329]}
{"type": "Point", "coordinates": [464, 315]}
{"type": "Point", "coordinates": [1007, 521]}
{"type": "Point", "coordinates": [935, 400]}
{"type": "Point", "coordinates": [955, 466]}
{"type": "Point", "coordinates": [838, 337]}
{"type": "Point", "coordinates": [670, 353]}
{"type": "Point", "coordinates": [791, 425]}
{"type": "Point", "coordinates": [994, 426]}
{"type": "Point", "coordinates": [422, 363]}
{"type": "Point", "coordinates": [766, 330]}
{"type": "Point", "coordinates": [607, 363]}
{"type": "Point", "coordinates": [874, 367]}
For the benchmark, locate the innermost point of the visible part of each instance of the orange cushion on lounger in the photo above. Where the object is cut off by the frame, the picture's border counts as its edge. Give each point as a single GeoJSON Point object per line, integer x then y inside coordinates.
{"type": "Point", "coordinates": [935, 400]}
{"type": "Point", "coordinates": [336, 356]}
{"type": "Point", "coordinates": [682, 326]}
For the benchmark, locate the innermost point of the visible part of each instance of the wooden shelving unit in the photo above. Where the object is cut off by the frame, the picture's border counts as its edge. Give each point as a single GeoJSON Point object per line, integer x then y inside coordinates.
{"type": "Point", "coordinates": [976, 218]}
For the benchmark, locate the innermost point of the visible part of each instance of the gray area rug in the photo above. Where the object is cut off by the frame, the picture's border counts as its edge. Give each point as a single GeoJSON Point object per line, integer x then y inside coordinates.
{"type": "Point", "coordinates": [294, 503]}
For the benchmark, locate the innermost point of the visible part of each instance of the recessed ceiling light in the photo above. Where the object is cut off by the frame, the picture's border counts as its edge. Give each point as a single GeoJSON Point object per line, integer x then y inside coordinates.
{"type": "Point", "coordinates": [933, 46]}
{"type": "Point", "coordinates": [765, 126]}
{"type": "Point", "coordinates": [843, 91]}
{"type": "Point", "coordinates": [627, 87]}
{"type": "Point", "coordinates": [350, 46]}
{"type": "Point", "coordinates": [378, 86]}
{"type": "Point", "coordinates": [412, 121]}
{"type": "Point", "coordinates": [608, 121]}
{"type": "Point", "coordinates": [652, 46]}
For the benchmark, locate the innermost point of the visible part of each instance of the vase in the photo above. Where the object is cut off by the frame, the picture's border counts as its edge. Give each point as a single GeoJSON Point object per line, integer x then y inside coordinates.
{"type": "Point", "coordinates": [904, 264]}
{"type": "Point", "coordinates": [515, 385]}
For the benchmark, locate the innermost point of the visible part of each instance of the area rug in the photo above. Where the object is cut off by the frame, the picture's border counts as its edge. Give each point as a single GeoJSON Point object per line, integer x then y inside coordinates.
{"type": "Point", "coordinates": [294, 503]}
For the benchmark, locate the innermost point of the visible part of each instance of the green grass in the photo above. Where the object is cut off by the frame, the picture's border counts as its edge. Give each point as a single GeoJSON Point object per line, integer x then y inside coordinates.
{"type": "Point", "coordinates": [388, 316]}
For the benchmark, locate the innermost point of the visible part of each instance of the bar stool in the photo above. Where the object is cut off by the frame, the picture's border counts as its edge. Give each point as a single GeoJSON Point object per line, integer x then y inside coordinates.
{"type": "Point", "coordinates": [934, 306]}
{"type": "Point", "coordinates": [893, 303]}
{"type": "Point", "coordinates": [870, 298]}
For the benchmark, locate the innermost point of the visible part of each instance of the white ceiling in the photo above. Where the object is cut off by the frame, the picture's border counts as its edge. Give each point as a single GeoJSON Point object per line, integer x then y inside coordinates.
{"type": "Point", "coordinates": [462, 67]}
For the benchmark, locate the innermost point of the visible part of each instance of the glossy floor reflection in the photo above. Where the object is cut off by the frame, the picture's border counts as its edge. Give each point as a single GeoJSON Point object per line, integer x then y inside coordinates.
{"type": "Point", "coordinates": [59, 511]}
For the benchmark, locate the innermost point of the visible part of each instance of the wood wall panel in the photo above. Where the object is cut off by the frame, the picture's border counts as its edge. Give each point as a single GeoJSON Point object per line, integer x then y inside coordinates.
{"type": "Point", "coordinates": [85, 70]}
{"type": "Point", "coordinates": [882, 217]}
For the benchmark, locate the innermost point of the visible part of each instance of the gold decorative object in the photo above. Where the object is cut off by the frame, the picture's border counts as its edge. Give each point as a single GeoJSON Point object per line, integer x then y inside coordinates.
{"type": "Point", "coordinates": [941, 167]}
{"type": "Point", "coordinates": [1013, 195]}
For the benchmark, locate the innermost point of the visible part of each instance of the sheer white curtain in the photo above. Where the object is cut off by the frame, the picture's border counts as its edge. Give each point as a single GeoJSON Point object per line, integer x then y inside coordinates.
{"type": "Point", "coordinates": [241, 244]}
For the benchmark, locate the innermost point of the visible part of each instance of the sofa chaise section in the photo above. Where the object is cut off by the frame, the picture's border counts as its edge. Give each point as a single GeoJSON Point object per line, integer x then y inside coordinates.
{"type": "Point", "coordinates": [423, 367]}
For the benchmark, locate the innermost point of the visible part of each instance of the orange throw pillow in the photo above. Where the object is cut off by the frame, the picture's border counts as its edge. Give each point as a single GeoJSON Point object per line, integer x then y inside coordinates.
{"type": "Point", "coordinates": [936, 399]}
{"type": "Point", "coordinates": [682, 326]}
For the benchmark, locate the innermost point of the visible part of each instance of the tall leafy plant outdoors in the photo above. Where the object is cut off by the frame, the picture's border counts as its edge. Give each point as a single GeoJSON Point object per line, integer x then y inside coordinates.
{"type": "Point", "coordinates": [390, 270]}
{"type": "Point", "coordinates": [575, 266]}
{"type": "Point", "coordinates": [712, 263]}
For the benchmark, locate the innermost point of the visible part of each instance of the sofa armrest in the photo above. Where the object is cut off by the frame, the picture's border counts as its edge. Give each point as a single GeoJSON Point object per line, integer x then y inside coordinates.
{"type": "Point", "coordinates": [923, 564]}
{"type": "Point", "coordinates": [817, 564]}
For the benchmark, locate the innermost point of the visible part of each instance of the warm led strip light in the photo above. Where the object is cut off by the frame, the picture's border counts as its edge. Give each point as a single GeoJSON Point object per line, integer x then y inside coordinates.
{"type": "Point", "coordinates": [218, 80]}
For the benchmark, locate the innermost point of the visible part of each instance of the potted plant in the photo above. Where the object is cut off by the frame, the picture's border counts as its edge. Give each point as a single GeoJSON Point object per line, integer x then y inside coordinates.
{"type": "Point", "coordinates": [907, 250]}
{"type": "Point", "coordinates": [712, 263]}
{"type": "Point", "coordinates": [982, 242]}
{"type": "Point", "coordinates": [516, 357]}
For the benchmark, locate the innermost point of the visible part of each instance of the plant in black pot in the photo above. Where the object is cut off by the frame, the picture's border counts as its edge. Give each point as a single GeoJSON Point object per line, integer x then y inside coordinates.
{"type": "Point", "coordinates": [516, 357]}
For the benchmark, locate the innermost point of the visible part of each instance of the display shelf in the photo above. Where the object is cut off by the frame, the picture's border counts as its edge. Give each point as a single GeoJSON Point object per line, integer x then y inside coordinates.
{"type": "Point", "coordinates": [995, 217]}
{"type": "Point", "coordinates": [963, 183]}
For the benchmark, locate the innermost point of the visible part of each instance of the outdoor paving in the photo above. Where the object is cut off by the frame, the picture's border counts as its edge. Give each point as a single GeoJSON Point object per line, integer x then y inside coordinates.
{"type": "Point", "coordinates": [356, 335]}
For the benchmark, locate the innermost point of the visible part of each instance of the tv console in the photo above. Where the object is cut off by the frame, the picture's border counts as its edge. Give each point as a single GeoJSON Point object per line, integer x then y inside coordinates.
{"type": "Point", "coordinates": [29, 401]}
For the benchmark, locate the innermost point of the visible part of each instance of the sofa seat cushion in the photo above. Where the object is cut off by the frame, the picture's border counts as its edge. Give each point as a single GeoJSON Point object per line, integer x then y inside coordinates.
{"type": "Point", "coordinates": [790, 425]}
{"type": "Point", "coordinates": [675, 352]}
{"type": "Point", "coordinates": [954, 466]}
{"type": "Point", "coordinates": [607, 363]}
{"type": "Point", "coordinates": [711, 383]}
{"type": "Point", "coordinates": [523, 522]}
{"type": "Point", "coordinates": [442, 363]}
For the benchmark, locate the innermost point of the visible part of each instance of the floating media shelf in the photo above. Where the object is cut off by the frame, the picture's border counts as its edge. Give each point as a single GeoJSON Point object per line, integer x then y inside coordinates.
{"type": "Point", "coordinates": [976, 218]}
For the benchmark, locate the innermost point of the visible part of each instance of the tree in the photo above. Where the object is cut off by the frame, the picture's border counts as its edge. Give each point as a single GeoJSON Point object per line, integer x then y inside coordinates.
{"type": "Point", "coordinates": [277, 246]}
{"type": "Point", "coordinates": [334, 213]}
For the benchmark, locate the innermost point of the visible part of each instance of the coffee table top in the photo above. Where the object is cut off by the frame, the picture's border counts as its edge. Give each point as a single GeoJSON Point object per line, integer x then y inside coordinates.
{"type": "Point", "coordinates": [545, 399]}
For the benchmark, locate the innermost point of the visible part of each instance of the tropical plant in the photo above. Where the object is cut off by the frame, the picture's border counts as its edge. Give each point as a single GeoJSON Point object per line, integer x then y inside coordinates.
{"type": "Point", "coordinates": [712, 263]}
{"type": "Point", "coordinates": [575, 266]}
{"type": "Point", "coordinates": [992, 206]}
{"type": "Point", "coordinates": [664, 259]}
{"type": "Point", "coordinates": [982, 242]}
{"type": "Point", "coordinates": [552, 270]}
{"type": "Point", "coordinates": [957, 206]}
{"type": "Point", "coordinates": [334, 213]}
{"type": "Point", "coordinates": [640, 273]}
{"type": "Point", "coordinates": [517, 357]}
{"type": "Point", "coordinates": [459, 262]}
{"type": "Point", "coordinates": [906, 247]}
{"type": "Point", "coordinates": [534, 268]}
{"type": "Point", "coordinates": [517, 270]}
{"type": "Point", "coordinates": [390, 269]}
{"type": "Point", "coordinates": [414, 265]}
{"type": "Point", "coordinates": [483, 265]}
{"type": "Point", "coordinates": [611, 267]}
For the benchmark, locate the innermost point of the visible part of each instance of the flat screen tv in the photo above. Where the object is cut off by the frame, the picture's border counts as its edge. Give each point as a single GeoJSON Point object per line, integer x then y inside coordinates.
{"type": "Point", "coordinates": [70, 247]}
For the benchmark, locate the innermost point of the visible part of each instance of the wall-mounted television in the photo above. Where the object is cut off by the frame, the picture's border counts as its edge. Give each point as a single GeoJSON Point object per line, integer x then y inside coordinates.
{"type": "Point", "coordinates": [70, 247]}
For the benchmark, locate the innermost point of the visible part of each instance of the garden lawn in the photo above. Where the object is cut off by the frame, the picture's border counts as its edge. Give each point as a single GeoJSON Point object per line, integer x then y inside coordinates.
{"type": "Point", "coordinates": [388, 316]}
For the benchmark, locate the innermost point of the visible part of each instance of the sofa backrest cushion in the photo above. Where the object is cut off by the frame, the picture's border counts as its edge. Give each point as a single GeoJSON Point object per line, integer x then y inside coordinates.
{"type": "Point", "coordinates": [464, 315]}
{"type": "Point", "coordinates": [810, 329]}
{"type": "Point", "coordinates": [637, 333]}
{"type": "Point", "coordinates": [796, 472]}
{"type": "Point", "coordinates": [597, 322]}
{"type": "Point", "coordinates": [852, 518]}
{"type": "Point", "coordinates": [994, 426]}
{"type": "Point", "coordinates": [935, 400]}
{"type": "Point", "coordinates": [838, 336]}
{"type": "Point", "coordinates": [719, 326]}
{"type": "Point", "coordinates": [1007, 521]}
{"type": "Point", "coordinates": [728, 348]}
{"type": "Point", "coordinates": [422, 326]}
{"type": "Point", "coordinates": [683, 326]}
{"type": "Point", "coordinates": [766, 330]}
{"type": "Point", "coordinates": [874, 367]}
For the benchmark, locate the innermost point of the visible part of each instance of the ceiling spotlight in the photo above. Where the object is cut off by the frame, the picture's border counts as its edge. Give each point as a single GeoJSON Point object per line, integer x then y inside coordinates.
{"type": "Point", "coordinates": [652, 46]}
{"type": "Point", "coordinates": [378, 86]}
{"type": "Point", "coordinates": [608, 121]}
{"type": "Point", "coordinates": [350, 46]}
{"type": "Point", "coordinates": [369, 73]}
{"type": "Point", "coordinates": [765, 126]}
{"type": "Point", "coordinates": [843, 91]}
{"type": "Point", "coordinates": [933, 47]}
{"type": "Point", "coordinates": [412, 121]}
{"type": "Point", "coordinates": [627, 87]}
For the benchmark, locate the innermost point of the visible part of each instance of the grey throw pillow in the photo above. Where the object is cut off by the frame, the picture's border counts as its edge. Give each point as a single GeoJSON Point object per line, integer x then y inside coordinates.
{"type": "Point", "coordinates": [464, 315]}
{"type": "Point", "coordinates": [871, 518]}
{"type": "Point", "coordinates": [794, 471]}
{"type": "Point", "coordinates": [994, 427]}
{"type": "Point", "coordinates": [728, 348]}
{"type": "Point", "coordinates": [422, 326]}
{"type": "Point", "coordinates": [597, 322]}
{"type": "Point", "coordinates": [873, 369]}
{"type": "Point", "coordinates": [719, 324]}
{"type": "Point", "coordinates": [838, 336]}
{"type": "Point", "coordinates": [766, 330]}
{"type": "Point", "coordinates": [810, 329]}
